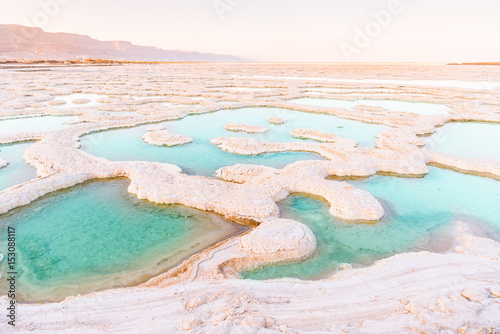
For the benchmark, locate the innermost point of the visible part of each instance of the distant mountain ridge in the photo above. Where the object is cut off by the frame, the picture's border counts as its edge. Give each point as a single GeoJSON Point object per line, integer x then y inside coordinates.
{"type": "Point", "coordinates": [18, 41]}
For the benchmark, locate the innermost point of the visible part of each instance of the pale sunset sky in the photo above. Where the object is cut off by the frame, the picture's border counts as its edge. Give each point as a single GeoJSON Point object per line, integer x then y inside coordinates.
{"type": "Point", "coordinates": [282, 30]}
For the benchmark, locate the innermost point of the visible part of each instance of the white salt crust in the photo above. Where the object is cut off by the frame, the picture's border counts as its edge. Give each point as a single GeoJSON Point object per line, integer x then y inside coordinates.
{"type": "Point", "coordinates": [165, 138]}
{"type": "Point", "coordinates": [3, 163]}
{"type": "Point", "coordinates": [406, 293]}
{"type": "Point", "coordinates": [238, 127]}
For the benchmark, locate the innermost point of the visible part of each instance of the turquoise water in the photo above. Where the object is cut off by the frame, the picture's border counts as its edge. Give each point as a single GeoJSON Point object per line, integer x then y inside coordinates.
{"type": "Point", "coordinates": [18, 171]}
{"type": "Point", "coordinates": [419, 212]}
{"type": "Point", "coordinates": [421, 108]}
{"type": "Point", "coordinates": [203, 158]}
{"type": "Point", "coordinates": [33, 124]}
{"type": "Point", "coordinates": [467, 140]}
{"type": "Point", "coordinates": [109, 239]}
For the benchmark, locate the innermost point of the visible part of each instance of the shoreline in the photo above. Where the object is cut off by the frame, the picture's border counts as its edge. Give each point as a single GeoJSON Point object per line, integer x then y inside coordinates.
{"type": "Point", "coordinates": [227, 303]}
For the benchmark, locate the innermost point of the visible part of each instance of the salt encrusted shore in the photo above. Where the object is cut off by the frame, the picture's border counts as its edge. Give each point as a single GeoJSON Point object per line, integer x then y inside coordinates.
{"type": "Point", "coordinates": [56, 103]}
{"type": "Point", "coordinates": [3, 163]}
{"type": "Point", "coordinates": [251, 146]}
{"type": "Point", "coordinates": [406, 293]}
{"type": "Point", "coordinates": [343, 198]}
{"type": "Point", "coordinates": [155, 128]}
{"type": "Point", "coordinates": [277, 121]}
{"type": "Point", "coordinates": [81, 101]}
{"type": "Point", "coordinates": [165, 138]}
{"type": "Point", "coordinates": [321, 136]}
{"type": "Point", "coordinates": [238, 127]}
{"type": "Point", "coordinates": [456, 292]}
{"type": "Point", "coordinates": [369, 108]}
{"type": "Point", "coordinates": [22, 137]}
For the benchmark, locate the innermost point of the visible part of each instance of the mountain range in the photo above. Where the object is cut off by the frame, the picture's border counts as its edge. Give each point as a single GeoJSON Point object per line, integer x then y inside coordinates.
{"type": "Point", "coordinates": [18, 41]}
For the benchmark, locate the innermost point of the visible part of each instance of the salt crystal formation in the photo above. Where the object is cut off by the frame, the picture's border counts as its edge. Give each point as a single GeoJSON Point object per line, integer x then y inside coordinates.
{"type": "Point", "coordinates": [81, 101]}
{"type": "Point", "coordinates": [56, 102]}
{"type": "Point", "coordinates": [277, 121]}
{"type": "Point", "coordinates": [321, 136]}
{"type": "Point", "coordinates": [165, 138]}
{"type": "Point", "coordinates": [237, 127]}
{"type": "Point", "coordinates": [420, 292]}
{"type": "Point", "coordinates": [369, 108]}
{"type": "Point", "coordinates": [3, 163]}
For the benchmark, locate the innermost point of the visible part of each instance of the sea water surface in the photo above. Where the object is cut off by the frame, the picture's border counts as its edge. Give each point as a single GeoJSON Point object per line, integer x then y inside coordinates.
{"type": "Point", "coordinates": [422, 108]}
{"type": "Point", "coordinates": [203, 158]}
{"type": "Point", "coordinates": [97, 236]}
{"type": "Point", "coordinates": [17, 171]}
{"type": "Point", "coordinates": [473, 140]}
{"type": "Point", "coordinates": [419, 216]}
{"type": "Point", "coordinates": [34, 124]}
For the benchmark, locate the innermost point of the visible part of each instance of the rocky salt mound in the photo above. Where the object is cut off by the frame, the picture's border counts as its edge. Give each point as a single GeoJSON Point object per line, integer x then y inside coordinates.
{"type": "Point", "coordinates": [81, 101]}
{"type": "Point", "coordinates": [321, 136]}
{"type": "Point", "coordinates": [165, 138]}
{"type": "Point", "coordinates": [3, 163]}
{"type": "Point", "coordinates": [277, 120]}
{"type": "Point", "coordinates": [56, 103]}
{"type": "Point", "coordinates": [238, 127]}
{"type": "Point", "coordinates": [369, 108]}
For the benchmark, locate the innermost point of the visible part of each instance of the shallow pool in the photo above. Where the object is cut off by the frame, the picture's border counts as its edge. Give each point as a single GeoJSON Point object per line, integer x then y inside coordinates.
{"type": "Point", "coordinates": [202, 158]}
{"type": "Point", "coordinates": [97, 236]}
{"type": "Point", "coordinates": [34, 124]}
{"type": "Point", "coordinates": [467, 140]}
{"type": "Point", "coordinates": [17, 171]}
{"type": "Point", "coordinates": [419, 213]}
{"type": "Point", "coordinates": [421, 108]}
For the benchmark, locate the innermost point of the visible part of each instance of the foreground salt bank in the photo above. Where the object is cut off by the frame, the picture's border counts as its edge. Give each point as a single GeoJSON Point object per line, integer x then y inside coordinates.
{"type": "Point", "coordinates": [322, 159]}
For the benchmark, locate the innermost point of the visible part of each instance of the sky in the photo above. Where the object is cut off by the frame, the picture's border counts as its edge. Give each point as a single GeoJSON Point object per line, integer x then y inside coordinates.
{"type": "Point", "coordinates": [282, 30]}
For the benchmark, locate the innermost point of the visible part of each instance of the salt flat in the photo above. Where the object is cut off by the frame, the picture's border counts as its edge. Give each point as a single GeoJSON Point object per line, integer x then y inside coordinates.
{"type": "Point", "coordinates": [455, 289]}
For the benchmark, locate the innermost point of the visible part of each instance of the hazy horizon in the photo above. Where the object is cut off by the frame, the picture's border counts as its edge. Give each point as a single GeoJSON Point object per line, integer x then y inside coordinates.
{"type": "Point", "coordinates": [281, 31]}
